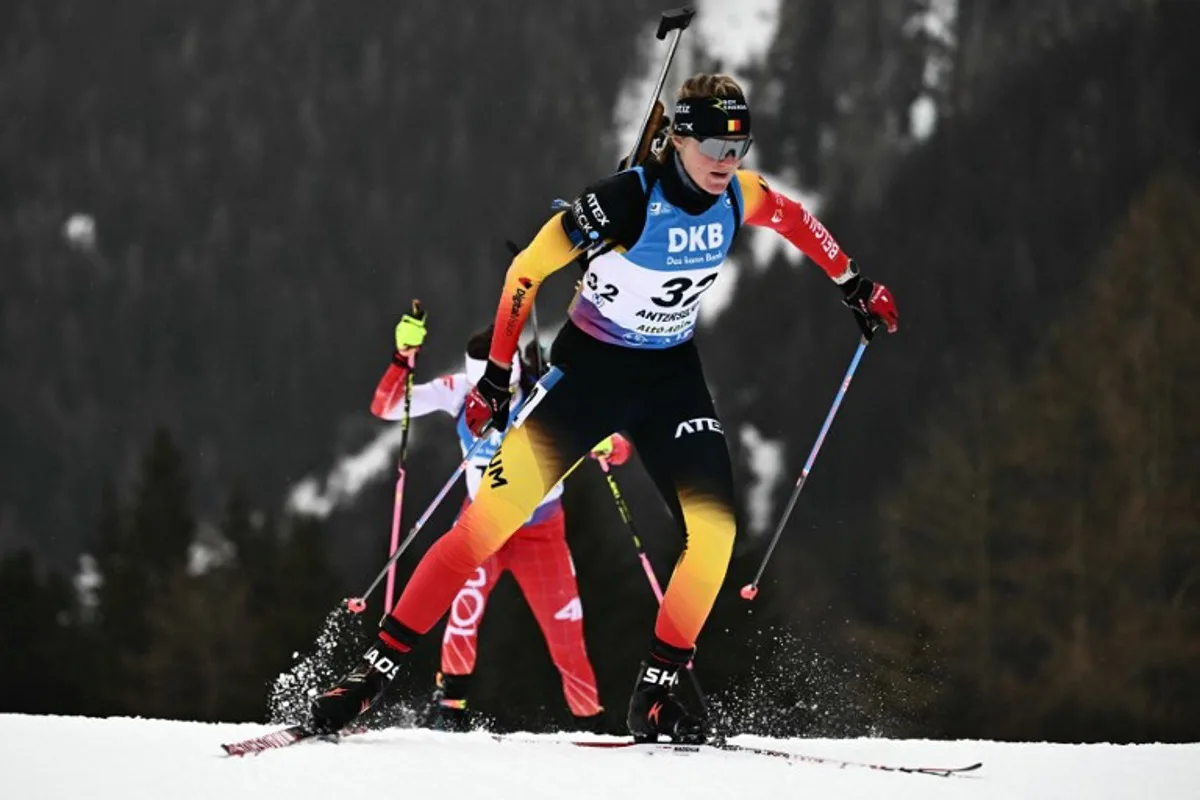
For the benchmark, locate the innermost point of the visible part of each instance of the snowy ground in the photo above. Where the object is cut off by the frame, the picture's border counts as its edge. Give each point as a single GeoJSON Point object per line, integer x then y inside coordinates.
{"type": "Point", "coordinates": [70, 757]}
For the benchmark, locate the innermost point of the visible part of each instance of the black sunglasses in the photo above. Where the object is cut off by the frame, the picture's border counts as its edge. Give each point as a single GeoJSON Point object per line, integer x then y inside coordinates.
{"type": "Point", "coordinates": [720, 149]}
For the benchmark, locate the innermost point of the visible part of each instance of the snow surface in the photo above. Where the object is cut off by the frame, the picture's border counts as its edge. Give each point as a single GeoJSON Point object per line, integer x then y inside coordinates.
{"type": "Point", "coordinates": [74, 757]}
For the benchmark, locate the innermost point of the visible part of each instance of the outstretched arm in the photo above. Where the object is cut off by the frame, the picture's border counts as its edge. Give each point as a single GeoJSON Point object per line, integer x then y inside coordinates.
{"type": "Point", "coordinates": [871, 302]}
{"type": "Point", "coordinates": [768, 208]}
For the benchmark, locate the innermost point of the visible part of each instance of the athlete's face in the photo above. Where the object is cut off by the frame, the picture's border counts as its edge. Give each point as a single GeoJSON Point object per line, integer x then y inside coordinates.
{"type": "Point", "coordinates": [710, 174]}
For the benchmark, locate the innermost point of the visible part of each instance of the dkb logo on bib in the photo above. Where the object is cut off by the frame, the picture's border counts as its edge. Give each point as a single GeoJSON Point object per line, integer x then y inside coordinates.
{"type": "Point", "coordinates": [695, 237]}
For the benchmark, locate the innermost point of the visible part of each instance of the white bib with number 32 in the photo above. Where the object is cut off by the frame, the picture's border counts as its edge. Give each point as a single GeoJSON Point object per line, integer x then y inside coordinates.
{"type": "Point", "coordinates": [649, 296]}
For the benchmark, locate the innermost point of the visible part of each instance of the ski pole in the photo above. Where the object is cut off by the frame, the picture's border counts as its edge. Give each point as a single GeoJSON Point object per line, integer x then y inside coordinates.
{"type": "Point", "coordinates": [539, 362]}
{"type": "Point", "coordinates": [398, 499]}
{"type": "Point", "coordinates": [647, 567]}
{"type": "Point", "coordinates": [751, 589]}
{"type": "Point", "coordinates": [357, 605]}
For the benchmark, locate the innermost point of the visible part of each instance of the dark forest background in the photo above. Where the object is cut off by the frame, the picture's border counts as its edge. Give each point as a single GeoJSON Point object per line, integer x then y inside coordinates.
{"type": "Point", "coordinates": [1001, 537]}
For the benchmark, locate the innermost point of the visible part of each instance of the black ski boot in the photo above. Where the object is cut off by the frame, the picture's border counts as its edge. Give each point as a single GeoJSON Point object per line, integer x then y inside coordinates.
{"type": "Point", "coordinates": [449, 711]}
{"type": "Point", "coordinates": [360, 691]}
{"type": "Point", "coordinates": [653, 709]}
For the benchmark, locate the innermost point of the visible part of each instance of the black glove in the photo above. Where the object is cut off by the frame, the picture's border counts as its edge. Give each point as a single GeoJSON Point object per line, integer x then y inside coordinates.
{"type": "Point", "coordinates": [489, 400]}
{"type": "Point", "coordinates": [872, 304]}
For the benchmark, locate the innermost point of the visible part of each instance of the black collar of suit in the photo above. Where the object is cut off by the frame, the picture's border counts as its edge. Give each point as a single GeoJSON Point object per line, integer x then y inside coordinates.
{"type": "Point", "coordinates": [679, 189]}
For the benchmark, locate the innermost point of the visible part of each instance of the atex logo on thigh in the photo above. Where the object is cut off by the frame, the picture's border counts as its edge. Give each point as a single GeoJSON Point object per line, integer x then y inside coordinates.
{"type": "Point", "coordinates": [698, 425]}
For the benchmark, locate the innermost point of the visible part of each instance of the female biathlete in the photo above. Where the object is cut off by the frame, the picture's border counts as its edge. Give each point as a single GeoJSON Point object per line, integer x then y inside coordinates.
{"type": "Point", "coordinates": [656, 237]}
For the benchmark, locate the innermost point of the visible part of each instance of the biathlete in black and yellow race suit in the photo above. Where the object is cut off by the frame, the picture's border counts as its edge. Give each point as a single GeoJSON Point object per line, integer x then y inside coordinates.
{"type": "Point", "coordinates": [656, 237]}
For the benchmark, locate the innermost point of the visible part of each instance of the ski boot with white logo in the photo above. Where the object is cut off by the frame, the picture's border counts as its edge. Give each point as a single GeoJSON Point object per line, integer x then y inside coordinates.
{"type": "Point", "coordinates": [653, 709]}
{"type": "Point", "coordinates": [361, 690]}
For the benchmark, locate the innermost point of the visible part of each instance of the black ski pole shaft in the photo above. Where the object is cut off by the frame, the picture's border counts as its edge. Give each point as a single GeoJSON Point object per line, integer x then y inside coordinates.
{"type": "Point", "coordinates": [538, 363]}
{"type": "Point", "coordinates": [418, 312]}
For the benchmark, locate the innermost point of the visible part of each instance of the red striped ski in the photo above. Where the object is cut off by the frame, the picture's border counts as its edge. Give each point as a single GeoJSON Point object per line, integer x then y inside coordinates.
{"type": "Point", "coordinates": [784, 755]}
{"type": "Point", "coordinates": [284, 737]}
{"type": "Point", "coordinates": [295, 734]}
